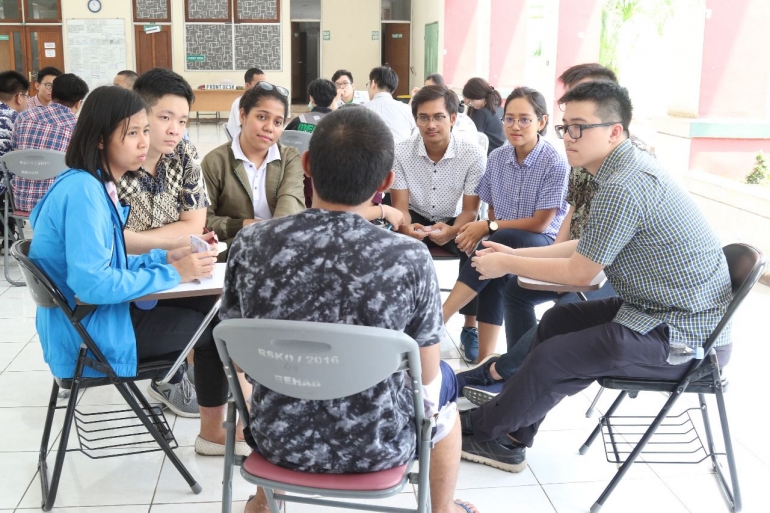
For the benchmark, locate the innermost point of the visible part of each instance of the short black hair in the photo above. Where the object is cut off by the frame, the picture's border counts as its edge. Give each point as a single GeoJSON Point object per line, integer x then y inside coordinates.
{"type": "Point", "coordinates": [68, 89]}
{"type": "Point", "coordinates": [436, 78]}
{"type": "Point", "coordinates": [253, 96]}
{"type": "Point", "coordinates": [130, 75]}
{"type": "Point", "coordinates": [351, 154]}
{"type": "Point", "coordinates": [342, 73]}
{"type": "Point", "coordinates": [156, 83]}
{"type": "Point", "coordinates": [436, 92]}
{"type": "Point", "coordinates": [11, 84]}
{"type": "Point", "coordinates": [103, 113]}
{"type": "Point", "coordinates": [385, 78]}
{"type": "Point", "coordinates": [249, 75]}
{"type": "Point", "coordinates": [613, 104]}
{"type": "Point", "coordinates": [46, 72]}
{"type": "Point", "coordinates": [323, 92]}
{"type": "Point", "coordinates": [535, 99]}
{"type": "Point", "coordinates": [479, 89]}
{"type": "Point", "coordinates": [591, 70]}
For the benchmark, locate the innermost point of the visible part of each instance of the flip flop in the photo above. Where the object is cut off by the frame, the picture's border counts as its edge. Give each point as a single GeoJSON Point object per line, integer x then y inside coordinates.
{"type": "Point", "coordinates": [463, 506]}
{"type": "Point", "coordinates": [280, 503]}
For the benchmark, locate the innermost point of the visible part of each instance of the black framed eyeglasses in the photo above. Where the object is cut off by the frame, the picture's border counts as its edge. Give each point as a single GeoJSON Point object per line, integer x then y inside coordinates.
{"type": "Point", "coordinates": [424, 120]}
{"type": "Point", "coordinates": [267, 86]}
{"type": "Point", "coordinates": [576, 131]}
{"type": "Point", "coordinates": [510, 121]}
{"type": "Point", "coordinates": [340, 85]}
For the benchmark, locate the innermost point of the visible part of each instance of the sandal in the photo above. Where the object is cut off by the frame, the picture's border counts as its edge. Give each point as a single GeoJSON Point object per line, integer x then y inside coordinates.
{"type": "Point", "coordinates": [280, 503]}
{"type": "Point", "coordinates": [463, 506]}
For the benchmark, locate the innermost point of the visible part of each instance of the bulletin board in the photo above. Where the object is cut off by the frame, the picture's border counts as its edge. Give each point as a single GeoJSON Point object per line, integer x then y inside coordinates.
{"type": "Point", "coordinates": [96, 49]}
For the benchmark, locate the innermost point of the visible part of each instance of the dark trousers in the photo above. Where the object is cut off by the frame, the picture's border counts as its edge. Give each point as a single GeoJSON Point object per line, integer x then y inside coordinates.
{"type": "Point", "coordinates": [490, 292]}
{"type": "Point", "coordinates": [451, 246]}
{"type": "Point", "coordinates": [168, 328]}
{"type": "Point", "coordinates": [575, 344]}
{"type": "Point", "coordinates": [521, 324]}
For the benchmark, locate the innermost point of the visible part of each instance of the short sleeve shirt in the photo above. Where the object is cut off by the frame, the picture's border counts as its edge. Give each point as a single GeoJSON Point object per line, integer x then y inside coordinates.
{"type": "Point", "coordinates": [659, 252]}
{"type": "Point", "coordinates": [334, 267]}
{"type": "Point", "coordinates": [516, 191]}
{"type": "Point", "coordinates": [158, 200]}
{"type": "Point", "coordinates": [436, 189]}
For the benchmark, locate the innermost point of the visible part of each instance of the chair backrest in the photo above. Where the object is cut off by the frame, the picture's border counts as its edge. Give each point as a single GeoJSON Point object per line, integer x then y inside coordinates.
{"type": "Point", "coordinates": [227, 133]}
{"type": "Point", "coordinates": [34, 164]}
{"type": "Point", "coordinates": [44, 292]}
{"type": "Point", "coordinates": [745, 264]}
{"type": "Point", "coordinates": [483, 141]}
{"type": "Point", "coordinates": [316, 361]}
{"type": "Point", "coordinates": [300, 140]}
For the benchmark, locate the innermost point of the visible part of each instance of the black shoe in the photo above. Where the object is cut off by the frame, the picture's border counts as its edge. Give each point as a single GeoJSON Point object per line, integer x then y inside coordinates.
{"type": "Point", "coordinates": [501, 453]}
{"type": "Point", "coordinates": [466, 425]}
{"type": "Point", "coordinates": [478, 375]}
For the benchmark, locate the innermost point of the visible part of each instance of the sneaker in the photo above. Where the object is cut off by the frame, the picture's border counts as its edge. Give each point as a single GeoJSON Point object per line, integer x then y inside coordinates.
{"type": "Point", "coordinates": [502, 453]}
{"type": "Point", "coordinates": [206, 448]}
{"type": "Point", "coordinates": [178, 397]}
{"type": "Point", "coordinates": [477, 375]}
{"type": "Point", "coordinates": [480, 395]}
{"type": "Point", "coordinates": [469, 344]}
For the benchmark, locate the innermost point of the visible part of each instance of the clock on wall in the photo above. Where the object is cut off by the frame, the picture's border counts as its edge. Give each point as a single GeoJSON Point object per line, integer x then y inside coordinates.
{"type": "Point", "coordinates": [94, 5]}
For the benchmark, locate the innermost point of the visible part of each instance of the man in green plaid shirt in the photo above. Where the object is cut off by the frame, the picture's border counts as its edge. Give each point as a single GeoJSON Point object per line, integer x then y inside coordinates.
{"type": "Point", "coordinates": [658, 252]}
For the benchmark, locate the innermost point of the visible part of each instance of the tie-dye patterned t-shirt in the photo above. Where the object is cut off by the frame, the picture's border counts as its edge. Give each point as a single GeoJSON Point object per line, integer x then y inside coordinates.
{"type": "Point", "coordinates": [335, 267]}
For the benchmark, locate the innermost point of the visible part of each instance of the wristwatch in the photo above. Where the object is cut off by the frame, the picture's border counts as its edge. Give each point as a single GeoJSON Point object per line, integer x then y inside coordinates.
{"type": "Point", "coordinates": [492, 225]}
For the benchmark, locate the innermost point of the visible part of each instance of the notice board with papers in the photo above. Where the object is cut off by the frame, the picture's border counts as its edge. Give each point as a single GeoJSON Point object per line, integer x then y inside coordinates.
{"type": "Point", "coordinates": [97, 49]}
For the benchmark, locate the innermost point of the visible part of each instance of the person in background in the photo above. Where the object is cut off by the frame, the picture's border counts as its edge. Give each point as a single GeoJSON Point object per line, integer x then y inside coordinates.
{"type": "Point", "coordinates": [254, 177]}
{"type": "Point", "coordinates": [252, 77]}
{"type": "Point", "coordinates": [13, 99]}
{"type": "Point", "coordinates": [322, 93]}
{"type": "Point", "coordinates": [485, 110]}
{"type": "Point", "coordinates": [397, 115]}
{"type": "Point", "coordinates": [346, 89]}
{"type": "Point", "coordinates": [48, 127]}
{"type": "Point", "coordinates": [525, 186]}
{"type": "Point", "coordinates": [125, 79]}
{"type": "Point", "coordinates": [43, 86]}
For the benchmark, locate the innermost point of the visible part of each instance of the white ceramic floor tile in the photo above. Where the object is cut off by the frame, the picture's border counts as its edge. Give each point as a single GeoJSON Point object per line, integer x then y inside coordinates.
{"type": "Point", "coordinates": [29, 359]}
{"type": "Point", "coordinates": [105, 482]}
{"type": "Point", "coordinates": [521, 499]}
{"type": "Point", "coordinates": [16, 473]}
{"type": "Point", "coordinates": [109, 395]}
{"type": "Point", "coordinates": [631, 496]}
{"type": "Point", "coordinates": [402, 500]}
{"type": "Point", "coordinates": [554, 458]}
{"type": "Point", "coordinates": [22, 428]}
{"type": "Point", "coordinates": [474, 475]}
{"type": "Point", "coordinates": [16, 330]}
{"type": "Point", "coordinates": [95, 509]}
{"type": "Point", "coordinates": [570, 413]}
{"type": "Point", "coordinates": [13, 308]}
{"type": "Point", "coordinates": [8, 352]}
{"type": "Point", "coordinates": [201, 507]}
{"type": "Point", "coordinates": [31, 388]}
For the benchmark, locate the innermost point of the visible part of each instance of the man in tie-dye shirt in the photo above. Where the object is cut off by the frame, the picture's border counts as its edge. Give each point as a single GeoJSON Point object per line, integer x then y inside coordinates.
{"type": "Point", "coordinates": [329, 264]}
{"type": "Point", "coordinates": [13, 99]}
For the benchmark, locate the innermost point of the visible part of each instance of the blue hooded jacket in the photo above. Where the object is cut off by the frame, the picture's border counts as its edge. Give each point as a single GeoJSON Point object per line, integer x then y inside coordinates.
{"type": "Point", "coordinates": [79, 244]}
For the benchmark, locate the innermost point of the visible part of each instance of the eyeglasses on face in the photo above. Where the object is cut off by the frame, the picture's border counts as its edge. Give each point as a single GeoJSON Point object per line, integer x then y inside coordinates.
{"type": "Point", "coordinates": [342, 84]}
{"type": "Point", "coordinates": [267, 86]}
{"type": "Point", "coordinates": [509, 121]}
{"type": "Point", "coordinates": [424, 120]}
{"type": "Point", "coordinates": [576, 131]}
{"type": "Point", "coordinates": [47, 85]}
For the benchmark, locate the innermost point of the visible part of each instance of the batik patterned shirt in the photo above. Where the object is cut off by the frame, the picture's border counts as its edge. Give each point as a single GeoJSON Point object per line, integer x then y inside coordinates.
{"type": "Point", "coordinates": [334, 267]}
{"type": "Point", "coordinates": [7, 117]}
{"type": "Point", "coordinates": [158, 200]}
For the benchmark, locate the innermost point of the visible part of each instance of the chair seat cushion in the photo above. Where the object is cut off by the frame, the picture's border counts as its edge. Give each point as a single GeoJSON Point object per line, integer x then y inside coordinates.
{"type": "Point", "coordinates": [442, 254]}
{"type": "Point", "coordinates": [257, 465]}
{"type": "Point", "coordinates": [20, 213]}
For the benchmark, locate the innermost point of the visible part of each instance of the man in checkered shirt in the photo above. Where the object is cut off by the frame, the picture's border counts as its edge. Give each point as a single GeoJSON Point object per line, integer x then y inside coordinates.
{"type": "Point", "coordinates": [657, 251]}
{"type": "Point", "coordinates": [48, 127]}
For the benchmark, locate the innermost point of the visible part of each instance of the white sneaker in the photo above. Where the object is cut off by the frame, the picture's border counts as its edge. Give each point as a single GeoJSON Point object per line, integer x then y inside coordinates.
{"type": "Point", "coordinates": [206, 448]}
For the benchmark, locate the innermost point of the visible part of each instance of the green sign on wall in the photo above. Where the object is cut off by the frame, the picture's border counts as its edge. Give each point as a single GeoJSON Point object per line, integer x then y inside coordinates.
{"type": "Point", "coordinates": [196, 58]}
{"type": "Point", "coordinates": [4, 37]}
{"type": "Point", "coordinates": [327, 35]}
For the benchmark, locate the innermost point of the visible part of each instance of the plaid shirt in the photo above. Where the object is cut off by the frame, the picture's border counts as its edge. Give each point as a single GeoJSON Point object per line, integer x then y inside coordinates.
{"type": "Point", "coordinates": [516, 191]}
{"type": "Point", "coordinates": [33, 102]}
{"type": "Point", "coordinates": [7, 117]}
{"type": "Point", "coordinates": [660, 254]}
{"type": "Point", "coordinates": [48, 127]}
{"type": "Point", "coordinates": [158, 200]}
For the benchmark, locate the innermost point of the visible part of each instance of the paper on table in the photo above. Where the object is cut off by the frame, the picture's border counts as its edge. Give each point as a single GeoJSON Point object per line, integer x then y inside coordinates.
{"type": "Point", "coordinates": [596, 282]}
{"type": "Point", "coordinates": [208, 286]}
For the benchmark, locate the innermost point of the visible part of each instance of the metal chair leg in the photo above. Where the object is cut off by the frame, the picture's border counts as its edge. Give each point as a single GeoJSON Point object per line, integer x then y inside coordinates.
{"type": "Point", "coordinates": [734, 496]}
{"type": "Point", "coordinates": [598, 428]}
{"type": "Point", "coordinates": [591, 411]}
{"type": "Point", "coordinates": [6, 247]}
{"type": "Point", "coordinates": [227, 479]}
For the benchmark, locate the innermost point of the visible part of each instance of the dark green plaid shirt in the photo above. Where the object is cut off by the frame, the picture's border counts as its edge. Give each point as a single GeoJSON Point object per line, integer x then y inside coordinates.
{"type": "Point", "coordinates": [659, 252]}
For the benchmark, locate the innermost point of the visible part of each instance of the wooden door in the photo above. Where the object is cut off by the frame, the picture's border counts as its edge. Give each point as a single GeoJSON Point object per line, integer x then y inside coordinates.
{"type": "Point", "coordinates": [395, 53]}
{"type": "Point", "coordinates": [298, 64]}
{"type": "Point", "coordinates": [12, 51]}
{"type": "Point", "coordinates": [431, 49]}
{"type": "Point", "coordinates": [43, 48]}
{"type": "Point", "coordinates": [152, 50]}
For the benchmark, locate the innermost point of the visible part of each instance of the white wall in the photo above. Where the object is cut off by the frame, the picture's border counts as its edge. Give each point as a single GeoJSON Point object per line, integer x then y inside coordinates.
{"type": "Point", "coordinates": [423, 13]}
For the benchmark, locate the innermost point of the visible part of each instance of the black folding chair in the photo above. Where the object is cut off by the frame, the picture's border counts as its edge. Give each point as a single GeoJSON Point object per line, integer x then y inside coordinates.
{"type": "Point", "coordinates": [105, 434]}
{"type": "Point", "coordinates": [745, 264]}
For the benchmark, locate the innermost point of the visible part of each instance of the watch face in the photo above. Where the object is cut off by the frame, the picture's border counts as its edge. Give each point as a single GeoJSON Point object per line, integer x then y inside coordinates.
{"type": "Point", "coordinates": [94, 5]}
{"type": "Point", "coordinates": [493, 225]}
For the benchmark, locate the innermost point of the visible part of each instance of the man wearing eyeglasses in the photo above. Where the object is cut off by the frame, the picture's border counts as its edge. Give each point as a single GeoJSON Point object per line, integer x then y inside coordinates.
{"type": "Point", "coordinates": [658, 253]}
{"type": "Point", "coordinates": [436, 177]}
{"type": "Point", "coordinates": [44, 85]}
{"type": "Point", "coordinates": [346, 89]}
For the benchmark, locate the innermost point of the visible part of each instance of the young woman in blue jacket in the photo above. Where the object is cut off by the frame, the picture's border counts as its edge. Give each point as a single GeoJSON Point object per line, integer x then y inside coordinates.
{"type": "Point", "coordinates": [79, 243]}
